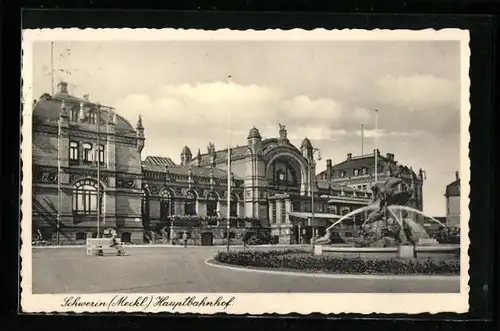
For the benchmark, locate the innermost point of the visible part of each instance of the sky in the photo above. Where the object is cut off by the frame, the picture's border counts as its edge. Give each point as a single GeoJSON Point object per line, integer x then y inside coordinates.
{"type": "Point", "coordinates": [323, 90]}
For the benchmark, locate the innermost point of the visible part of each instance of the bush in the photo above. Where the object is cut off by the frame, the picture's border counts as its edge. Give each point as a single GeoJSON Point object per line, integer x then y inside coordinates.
{"type": "Point", "coordinates": [290, 260]}
{"type": "Point", "coordinates": [259, 238]}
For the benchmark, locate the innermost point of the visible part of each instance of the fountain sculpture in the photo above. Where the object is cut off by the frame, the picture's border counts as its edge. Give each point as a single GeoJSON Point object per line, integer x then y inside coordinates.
{"type": "Point", "coordinates": [388, 223]}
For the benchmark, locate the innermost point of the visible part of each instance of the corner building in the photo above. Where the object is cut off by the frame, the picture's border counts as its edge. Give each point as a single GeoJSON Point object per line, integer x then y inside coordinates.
{"type": "Point", "coordinates": [72, 137]}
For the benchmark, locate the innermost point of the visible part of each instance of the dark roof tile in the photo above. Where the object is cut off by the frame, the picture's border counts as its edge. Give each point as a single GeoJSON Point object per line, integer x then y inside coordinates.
{"type": "Point", "coordinates": [48, 109]}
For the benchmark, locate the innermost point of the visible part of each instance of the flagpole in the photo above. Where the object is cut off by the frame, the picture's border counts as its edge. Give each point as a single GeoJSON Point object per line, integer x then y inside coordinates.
{"type": "Point", "coordinates": [52, 67]}
{"type": "Point", "coordinates": [376, 145]}
{"type": "Point", "coordinates": [228, 172]}
{"type": "Point", "coordinates": [362, 140]}
{"type": "Point", "coordinates": [59, 175]}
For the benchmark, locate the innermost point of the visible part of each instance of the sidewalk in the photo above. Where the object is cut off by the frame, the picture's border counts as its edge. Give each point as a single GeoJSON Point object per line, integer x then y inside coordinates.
{"type": "Point", "coordinates": [180, 246]}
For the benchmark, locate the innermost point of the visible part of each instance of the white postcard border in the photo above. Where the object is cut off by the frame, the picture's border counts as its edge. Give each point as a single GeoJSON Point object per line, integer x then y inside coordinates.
{"type": "Point", "coordinates": [247, 303]}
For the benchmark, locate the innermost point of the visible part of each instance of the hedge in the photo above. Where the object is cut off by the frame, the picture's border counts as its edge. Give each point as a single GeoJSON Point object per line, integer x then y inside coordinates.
{"type": "Point", "coordinates": [289, 260]}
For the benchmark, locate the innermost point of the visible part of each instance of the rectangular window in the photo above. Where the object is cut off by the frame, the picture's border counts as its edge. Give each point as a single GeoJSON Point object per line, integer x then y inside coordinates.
{"type": "Point", "coordinates": [273, 211]}
{"type": "Point", "coordinates": [283, 212]}
{"type": "Point", "coordinates": [308, 207]}
{"type": "Point", "coordinates": [101, 154]}
{"type": "Point", "coordinates": [73, 152]}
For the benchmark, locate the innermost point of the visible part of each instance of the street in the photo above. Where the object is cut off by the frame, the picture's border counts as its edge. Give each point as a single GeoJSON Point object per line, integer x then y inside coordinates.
{"type": "Point", "coordinates": [176, 269]}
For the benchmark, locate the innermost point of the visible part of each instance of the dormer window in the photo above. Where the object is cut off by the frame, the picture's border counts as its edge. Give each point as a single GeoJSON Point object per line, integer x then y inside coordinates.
{"type": "Point", "coordinates": [73, 114]}
{"type": "Point", "coordinates": [342, 174]}
{"type": "Point", "coordinates": [92, 117]}
{"type": "Point", "coordinates": [364, 171]}
{"type": "Point", "coordinates": [356, 172]}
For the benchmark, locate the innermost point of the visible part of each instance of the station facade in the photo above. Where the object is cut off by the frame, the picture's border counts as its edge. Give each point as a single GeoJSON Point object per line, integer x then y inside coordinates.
{"type": "Point", "coordinates": [274, 185]}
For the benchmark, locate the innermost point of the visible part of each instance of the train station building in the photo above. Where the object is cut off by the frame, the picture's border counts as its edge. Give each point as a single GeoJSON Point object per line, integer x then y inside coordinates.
{"type": "Point", "coordinates": [274, 184]}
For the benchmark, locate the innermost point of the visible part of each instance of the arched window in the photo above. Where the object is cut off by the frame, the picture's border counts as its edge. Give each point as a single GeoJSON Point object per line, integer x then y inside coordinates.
{"type": "Point", "coordinates": [212, 200]}
{"type": "Point", "coordinates": [233, 209]}
{"type": "Point", "coordinates": [145, 208]}
{"type": "Point", "coordinates": [166, 205]}
{"type": "Point", "coordinates": [190, 204]}
{"type": "Point", "coordinates": [85, 201]}
{"type": "Point", "coordinates": [87, 152]}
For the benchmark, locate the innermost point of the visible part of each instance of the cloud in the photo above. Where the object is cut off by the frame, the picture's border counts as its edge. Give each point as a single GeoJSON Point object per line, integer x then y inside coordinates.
{"type": "Point", "coordinates": [418, 92]}
{"type": "Point", "coordinates": [385, 133]}
{"type": "Point", "coordinates": [199, 112]}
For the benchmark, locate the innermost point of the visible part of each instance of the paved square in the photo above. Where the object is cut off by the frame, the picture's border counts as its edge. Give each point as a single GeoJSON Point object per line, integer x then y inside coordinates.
{"type": "Point", "coordinates": [177, 269]}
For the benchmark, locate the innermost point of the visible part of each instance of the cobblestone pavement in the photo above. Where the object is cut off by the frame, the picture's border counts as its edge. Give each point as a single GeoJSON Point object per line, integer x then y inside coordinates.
{"type": "Point", "coordinates": [176, 269]}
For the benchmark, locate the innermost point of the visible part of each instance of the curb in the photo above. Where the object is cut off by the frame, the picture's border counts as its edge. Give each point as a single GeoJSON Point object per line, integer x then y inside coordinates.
{"type": "Point", "coordinates": [211, 262]}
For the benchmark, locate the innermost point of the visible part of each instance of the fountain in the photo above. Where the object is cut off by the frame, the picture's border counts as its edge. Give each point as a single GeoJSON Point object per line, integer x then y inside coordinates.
{"type": "Point", "coordinates": [387, 224]}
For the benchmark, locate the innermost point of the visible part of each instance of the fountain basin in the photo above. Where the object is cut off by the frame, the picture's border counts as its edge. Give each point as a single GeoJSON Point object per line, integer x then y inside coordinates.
{"type": "Point", "coordinates": [388, 252]}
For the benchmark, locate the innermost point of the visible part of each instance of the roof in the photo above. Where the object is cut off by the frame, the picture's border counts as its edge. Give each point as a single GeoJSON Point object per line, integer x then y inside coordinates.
{"type": "Point", "coordinates": [182, 170]}
{"type": "Point", "coordinates": [254, 133]}
{"type": "Point", "coordinates": [48, 109]}
{"type": "Point", "coordinates": [358, 162]}
{"type": "Point", "coordinates": [306, 144]}
{"type": "Point", "coordinates": [221, 155]}
{"type": "Point", "coordinates": [368, 161]}
{"type": "Point", "coordinates": [186, 151]}
{"type": "Point", "coordinates": [453, 189]}
{"type": "Point", "coordinates": [159, 160]}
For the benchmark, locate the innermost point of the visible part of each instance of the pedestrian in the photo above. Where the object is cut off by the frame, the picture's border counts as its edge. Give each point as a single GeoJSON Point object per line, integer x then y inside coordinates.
{"type": "Point", "coordinates": [185, 238]}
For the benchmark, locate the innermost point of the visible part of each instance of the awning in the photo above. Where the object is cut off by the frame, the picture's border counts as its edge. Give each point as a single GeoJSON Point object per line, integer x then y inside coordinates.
{"type": "Point", "coordinates": [316, 215]}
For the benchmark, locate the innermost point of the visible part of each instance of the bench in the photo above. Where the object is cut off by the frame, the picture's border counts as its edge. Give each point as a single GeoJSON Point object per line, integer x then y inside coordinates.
{"type": "Point", "coordinates": [102, 246]}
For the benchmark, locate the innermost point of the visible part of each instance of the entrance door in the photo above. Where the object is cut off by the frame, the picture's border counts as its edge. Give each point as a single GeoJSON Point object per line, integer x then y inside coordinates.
{"type": "Point", "coordinates": [165, 210]}
{"type": "Point", "coordinates": [294, 234]}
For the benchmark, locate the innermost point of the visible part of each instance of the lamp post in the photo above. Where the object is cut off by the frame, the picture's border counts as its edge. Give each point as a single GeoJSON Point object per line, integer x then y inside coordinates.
{"type": "Point", "coordinates": [317, 152]}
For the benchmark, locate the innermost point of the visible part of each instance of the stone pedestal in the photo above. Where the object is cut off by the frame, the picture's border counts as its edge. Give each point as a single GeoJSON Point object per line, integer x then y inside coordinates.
{"type": "Point", "coordinates": [405, 252]}
{"type": "Point", "coordinates": [318, 249]}
{"type": "Point", "coordinates": [427, 242]}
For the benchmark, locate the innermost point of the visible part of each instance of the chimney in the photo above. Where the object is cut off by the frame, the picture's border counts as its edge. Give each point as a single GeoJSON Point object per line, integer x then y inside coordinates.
{"type": "Point", "coordinates": [86, 97]}
{"type": "Point", "coordinates": [349, 156]}
{"type": "Point", "coordinates": [62, 87]}
{"type": "Point", "coordinates": [390, 156]}
{"type": "Point", "coordinates": [457, 175]}
{"type": "Point", "coordinates": [328, 169]}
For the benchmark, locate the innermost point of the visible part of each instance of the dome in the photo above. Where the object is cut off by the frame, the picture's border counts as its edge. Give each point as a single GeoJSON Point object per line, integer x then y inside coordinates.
{"type": "Point", "coordinates": [48, 109]}
{"type": "Point", "coordinates": [186, 151]}
{"type": "Point", "coordinates": [254, 133]}
{"type": "Point", "coordinates": [306, 144]}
